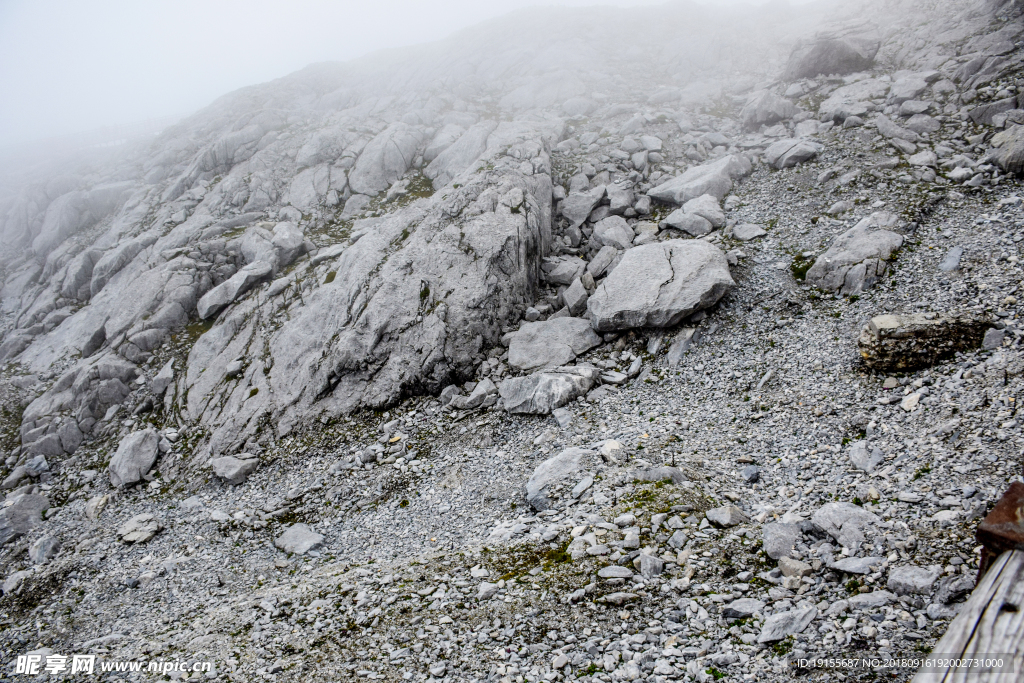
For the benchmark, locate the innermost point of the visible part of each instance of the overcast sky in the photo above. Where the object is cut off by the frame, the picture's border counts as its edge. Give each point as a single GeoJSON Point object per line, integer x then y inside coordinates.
{"type": "Point", "coordinates": [67, 67]}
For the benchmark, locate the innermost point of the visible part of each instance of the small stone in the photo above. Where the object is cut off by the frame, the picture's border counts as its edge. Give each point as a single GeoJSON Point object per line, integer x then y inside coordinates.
{"type": "Point", "coordinates": [783, 624]}
{"type": "Point", "coordinates": [487, 590]}
{"type": "Point", "coordinates": [751, 474]}
{"type": "Point", "coordinates": [745, 232]}
{"type": "Point", "coordinates": [234, 470]}
{"type": "Point", "coordinates": [140, 528]}
{"type": "Point", "coordinates": [614, 572]}
{"type": "Point", "coordinates": [559, 662]}
{"type": "Point", "coordinates": [651, 566]}
{"type": "Point", "coordinates": [742, 608]}
{"type": "Point", "coordinates": [865, 458]}
{"type": "Point", "coordinates": [44, 549]}
{"type": "Point", "coordinates": [910, 579]}
{"type": "Point", "coordinates": [779, 540]}
{"type": "Point", "coordinates": [790, 567]}
{"type": "Point", "coordinates": [857, 565]}
{"type": "Point", "coordinates": [298, 539]}
{"type": "Point", "coordinates": [618, 599]}
{"type": "Point", "coordinates": [993, 339]}
{"type": "Point", "coordinates": [563, 417]}
{"type": "Point", "coordinates": [726, 516]}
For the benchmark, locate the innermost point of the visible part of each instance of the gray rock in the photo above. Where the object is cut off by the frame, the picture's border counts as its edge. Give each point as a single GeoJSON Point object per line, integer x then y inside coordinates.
{"type": "Point", "coordinates": [135, 456]}
{"type": "Point", "coordinates": [578, 205]}
{"type": "Point", "coordinates": [954, 589]}
{"type": "Point", "coordinates": [779, 539]}
{"type": "Point", "coordinates": [614, 572]}
{"type": "Point", "coordinates": [857, 565]}
{"type": "Point", "coordinates": [890, 130]}
{"type": "Point", "coordinates": [790, 567]}
{"type": "Point", "coordinates": [910, 579]}
{"type": "Point", "coordinates": [14, 479]}
{"type": "Point", "coordinates": [765, 108]}
{"type": "Point", "coordinates": [745, 232]}
{"type": "Point", "coordinates": [715, 178]}
{"type": "Point", "coordinates": [844, 522]}
{"type": "Point", "coordinates": [651, 566]}
{"type": "Point", "coordinates": [298, 539]}
{"type": "Point", "coordinates": [140, 528]}
{"type": "Point", "coordinates": [234, 470]}
{"type": "Point", "coordinates": [565, 270]}
{"type": "Point", "coordinates": [613, 231]}
{"type": "Point", "coordinates": [707, 207]}
{"type": "Point", "coordinates": [44, 549]}
{"type": "Point", "coordinates": [478, 397]}
{"type": "Point", "coordinates": [857, 258]}
{"type": "Point", "coordinates": [897, 343]}
{"type": "Point", "coordinates": [553, 471]}
{"type": "Point", "coordinates": [951, 261]}
{"type": "Point", "coordinates": [385, 159]}
{"type": "Point", "coordinates": [726, 516]}
{"type": "Point", "coordinates": [163, 379]}
{"type": "Point", "coordinates": [22, 515]}
{"type": "Point", "coordinates": [743, 608]}
{"type": "Point", "coordinates": [551, 343]}
{"type": "Point", "coordinates": [790, 152]}
{"type": "Point", "coordinates": [1008, 150]}
{"type": "Point", "coordinates": [864, 457]}
{"type": "Point", "coordinates": [751, 474]}
{"type": "Point", "coordinates": [563, 417]}
{"type": "Point", "coordinates": [657, 285]}
{"type": "Point", "coordinates": [678, 539]}
{"type": "Point", "coordinates": [542, 392]}
{"type": "Point", "coordinates": [832, 55]}
{"type": "Point", "coordinates": [618, 599]}
{"type": "Point", "coordinates": [227, 292]}
{"type": "Point", "coordinates": [602, 259]}
{"type": "Point", "coordinates": [993, 339]}
{"type": "Point", "coordinates": [784, 624]}
{"type": "Point", "coordinates": [487, 590]}
{"type": "Point", "coordinates": [871, 600]}
{"type": "Point", "coordinates": [689, 223]}
{"type": "Point", "coordinates": [576, 298]}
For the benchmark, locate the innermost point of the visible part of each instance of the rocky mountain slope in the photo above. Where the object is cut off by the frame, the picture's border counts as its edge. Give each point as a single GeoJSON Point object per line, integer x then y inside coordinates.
{"type": "Point", "coordinates": [674, 344]}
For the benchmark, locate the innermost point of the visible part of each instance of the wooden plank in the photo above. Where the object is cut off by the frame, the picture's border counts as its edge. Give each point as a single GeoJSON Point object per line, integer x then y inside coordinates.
{"type": "Point", "coordinates": [990, 623]}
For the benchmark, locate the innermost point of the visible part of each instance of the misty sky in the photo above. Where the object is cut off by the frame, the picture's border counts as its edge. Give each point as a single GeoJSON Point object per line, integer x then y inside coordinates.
{"type": "Point", "coordinates": [67, 67]}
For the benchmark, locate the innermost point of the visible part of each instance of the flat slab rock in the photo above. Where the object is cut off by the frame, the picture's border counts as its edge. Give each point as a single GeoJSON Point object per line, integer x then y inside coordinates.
{"type": "Point", "coordinates": [551, 343]}
{"type": "Point", "coordinates": [844, 522]}
{"type": "Point", "coordinates": [234, 470]}
{"type": "Point", "coordinates": [726, 516]}
{"type": "Point", "coordinates": [779, 626]}
{"type": "Point", "coordinates": [22, 516]}
{"type": "Point", "coordinates": [298, 539]}
{"type": "Point", "coordinates": [898, 343]}
{"type": "Point", "coordinates": [715, 178]}
{"type": "Point", "coordinates": [657, 285]}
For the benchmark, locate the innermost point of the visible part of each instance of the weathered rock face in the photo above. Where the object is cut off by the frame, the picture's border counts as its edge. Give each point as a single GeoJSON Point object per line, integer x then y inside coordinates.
{"type": "Point", "coordinates": [899, 343]}
{"type": "Point", "coordinates": [408, 308]}
{"type": "Point", "coordinates": [1009, 152]}
{"type": "Point", "coordinates": [832, 56]}
{"type": "Point", "coordinates": [857, 259]}
{"type": "Point", "coordinates": [657, 285]}
{"type": "Point", "coordinates": [551, 343]}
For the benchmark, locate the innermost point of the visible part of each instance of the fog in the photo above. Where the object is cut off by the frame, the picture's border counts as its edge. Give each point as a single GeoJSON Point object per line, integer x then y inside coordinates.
{"type": "Point", "coordinates": [68, 68]}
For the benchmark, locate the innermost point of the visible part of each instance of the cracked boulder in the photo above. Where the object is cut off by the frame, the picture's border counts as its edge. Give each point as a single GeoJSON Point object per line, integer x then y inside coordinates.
{"type": "Point", "coordinates": [542, 392]}
{"type": "Point", "coordinates": [659, 284]}
{"type": "Point", "coordinates": [858, 258]}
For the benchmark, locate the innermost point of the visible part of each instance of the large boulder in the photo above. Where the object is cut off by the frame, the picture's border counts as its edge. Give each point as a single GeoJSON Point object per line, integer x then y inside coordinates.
{"type": "Point", "coordinates": [134, 458]}
{"type": "Point", "coordinates": [790, 152]}
{"type": "Point", "coordinates": [657, 285]}
{"type": "Point", "coordinates": [227, 292]}
{"type": "Point", "coordinates": [542, 392]}
{"type": "Point", "coordinates": [1008, 152]}
{"type": "Point", "coordinates": [857, 259]}
{"type": "Point", "coordinates": [22, 514]}
{"type": "Point", "coordinates": [831, 55]}
{"type": "Point", "coordinates": [578, 205]}
{"type": "Point", "coordinates": [234, 470]}
{"type": "Point", "coordinates": [765, 108]}
{"type": "Point", "coordinates": [715, 178]}
{"type": "Point", "coordinates": [299, 539]}
{"type": "Point", "coordinates": [903, 343]}
{"type": "Point", "coordinates": [548, 344]}
{"type": "Point", "coordinates": [613, 231]}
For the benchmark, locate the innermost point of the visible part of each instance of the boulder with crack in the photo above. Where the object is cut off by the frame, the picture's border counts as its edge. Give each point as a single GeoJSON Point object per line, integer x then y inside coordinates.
{"type": "Point", "coordinates": [542, 392]}
{"type": "Point", "coordinates": [659, 284]}
{"type": "Point", "coordinates": [858, 258]}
